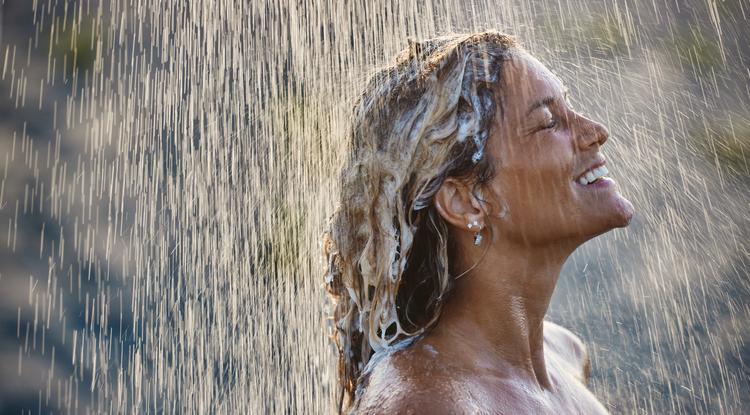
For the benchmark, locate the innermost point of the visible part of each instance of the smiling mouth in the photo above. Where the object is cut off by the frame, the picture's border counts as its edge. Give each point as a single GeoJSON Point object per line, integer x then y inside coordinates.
{"type": "Point", "coordinates": [592, 175]}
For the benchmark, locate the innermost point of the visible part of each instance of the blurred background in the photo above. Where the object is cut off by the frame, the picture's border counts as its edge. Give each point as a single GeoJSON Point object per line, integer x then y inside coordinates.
{"type": "Point", "coordinates": [166, 169]}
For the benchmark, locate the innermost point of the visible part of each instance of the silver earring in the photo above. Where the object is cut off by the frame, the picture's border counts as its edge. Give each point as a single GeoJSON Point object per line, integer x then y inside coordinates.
{"type": "Point", "coordinates": [477, 239]}
{"type": "Point", "coordinates": [478, 235]}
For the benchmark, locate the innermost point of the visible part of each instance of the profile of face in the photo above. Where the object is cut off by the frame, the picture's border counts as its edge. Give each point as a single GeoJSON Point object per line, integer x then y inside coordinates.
{"type": "Point", "coordinates": [551, 179]}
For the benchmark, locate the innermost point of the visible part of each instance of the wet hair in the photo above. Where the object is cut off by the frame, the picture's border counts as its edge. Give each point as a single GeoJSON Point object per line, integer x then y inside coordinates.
{"type": "Point", "coordinates": [420, 120]}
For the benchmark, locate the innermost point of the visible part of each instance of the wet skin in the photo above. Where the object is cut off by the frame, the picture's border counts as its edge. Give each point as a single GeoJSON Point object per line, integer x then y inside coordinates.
{"type": "Point", "coordinates": [423, 379]}
{"type": "Point", "coordinates": [491, 351]}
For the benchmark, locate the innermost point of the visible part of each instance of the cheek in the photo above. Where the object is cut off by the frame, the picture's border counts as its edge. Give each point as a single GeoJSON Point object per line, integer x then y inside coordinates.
{"type": "Point", "coordinates": [535, 175]}
{"type": "Point", "coordinates": [533, 191]}
{"type": "Point", "coordinates": [547, 167]}
{"type": "Point", "coordinates": [538, 188]}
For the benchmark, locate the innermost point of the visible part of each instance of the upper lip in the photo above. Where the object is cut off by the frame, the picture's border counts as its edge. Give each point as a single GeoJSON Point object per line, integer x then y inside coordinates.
{"type": "Point", "coordinates": [598, 163]}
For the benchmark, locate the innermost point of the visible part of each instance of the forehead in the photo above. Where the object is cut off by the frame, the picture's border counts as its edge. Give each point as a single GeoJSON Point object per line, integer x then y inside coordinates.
{"type": "Point", "coordinates": [526, 80]}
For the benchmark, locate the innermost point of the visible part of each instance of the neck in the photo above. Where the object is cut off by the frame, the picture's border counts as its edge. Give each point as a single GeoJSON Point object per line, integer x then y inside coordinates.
{"type": "Point", "coordinates": [498, 308]}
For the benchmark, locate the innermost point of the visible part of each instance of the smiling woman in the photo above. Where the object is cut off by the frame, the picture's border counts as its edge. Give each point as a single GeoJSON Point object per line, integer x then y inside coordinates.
{"type": "Point", "coordinates": [469, 183]}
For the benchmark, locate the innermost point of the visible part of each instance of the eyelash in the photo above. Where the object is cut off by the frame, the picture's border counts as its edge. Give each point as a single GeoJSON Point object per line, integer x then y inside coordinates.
{"type": "Point", "coordinates": [551, 124]}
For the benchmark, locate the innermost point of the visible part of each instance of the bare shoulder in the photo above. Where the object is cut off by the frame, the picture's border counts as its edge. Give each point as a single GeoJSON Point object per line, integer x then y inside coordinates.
{"type": "Point", "coordinates": [418, 381]}
{"type": "Point", "coordinates": [408, 382]}
{"type": "Point", "coordinates": [569, 348]}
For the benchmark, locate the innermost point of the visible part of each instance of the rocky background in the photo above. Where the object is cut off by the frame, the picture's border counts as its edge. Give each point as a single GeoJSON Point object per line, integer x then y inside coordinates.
{"type": "Point", "coordinates": [166, 169]}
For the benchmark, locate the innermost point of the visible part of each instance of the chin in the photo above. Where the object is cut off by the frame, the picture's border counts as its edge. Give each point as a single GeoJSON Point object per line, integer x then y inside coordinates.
{"type": "Point", "coordinates": [623, 212]}
{"type": "Point", "coordinates": [616, 214]}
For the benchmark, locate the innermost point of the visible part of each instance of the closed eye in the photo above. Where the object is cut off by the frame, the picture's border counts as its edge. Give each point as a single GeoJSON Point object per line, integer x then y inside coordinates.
{"type": "Point", "coordinates": [550, 125]}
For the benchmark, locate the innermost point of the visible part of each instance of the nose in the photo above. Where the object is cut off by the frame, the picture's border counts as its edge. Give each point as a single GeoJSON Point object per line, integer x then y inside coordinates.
{"type": "Point", "coordinates": [589, 133]}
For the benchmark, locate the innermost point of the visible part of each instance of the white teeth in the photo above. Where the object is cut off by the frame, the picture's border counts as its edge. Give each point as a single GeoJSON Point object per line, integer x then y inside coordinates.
{"type": "Point", "coordinates": [593, 174]}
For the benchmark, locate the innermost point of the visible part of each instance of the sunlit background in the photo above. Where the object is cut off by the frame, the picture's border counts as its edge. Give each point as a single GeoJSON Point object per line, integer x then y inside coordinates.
{"type": "Point", "coordinates": [166, 169]}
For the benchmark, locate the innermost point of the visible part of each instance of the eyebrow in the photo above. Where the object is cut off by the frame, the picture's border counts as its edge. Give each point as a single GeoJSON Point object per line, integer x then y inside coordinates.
{"type": "Point", "coordinates": [546, 102]}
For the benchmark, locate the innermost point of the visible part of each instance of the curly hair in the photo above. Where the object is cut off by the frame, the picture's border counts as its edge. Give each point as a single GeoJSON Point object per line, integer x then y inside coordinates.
{"type": "Point", "coordinates": [388, 252]}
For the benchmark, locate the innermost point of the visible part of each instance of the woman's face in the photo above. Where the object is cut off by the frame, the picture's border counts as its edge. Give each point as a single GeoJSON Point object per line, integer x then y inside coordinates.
{"type": "Point", "coordinates": [546, 154]}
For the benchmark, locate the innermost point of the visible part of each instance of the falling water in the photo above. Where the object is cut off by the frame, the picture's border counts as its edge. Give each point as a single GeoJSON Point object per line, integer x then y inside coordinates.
{"type": "Point", "coordinates": [166, 169]}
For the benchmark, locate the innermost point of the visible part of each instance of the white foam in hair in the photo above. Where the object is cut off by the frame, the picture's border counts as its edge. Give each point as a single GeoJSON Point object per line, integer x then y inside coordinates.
{"type": "Point", "coordinates": [417, 122]}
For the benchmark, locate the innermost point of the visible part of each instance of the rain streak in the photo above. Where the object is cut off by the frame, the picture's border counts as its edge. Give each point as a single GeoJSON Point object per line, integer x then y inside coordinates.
{"type": "Point", "coordinates": [167, 169]}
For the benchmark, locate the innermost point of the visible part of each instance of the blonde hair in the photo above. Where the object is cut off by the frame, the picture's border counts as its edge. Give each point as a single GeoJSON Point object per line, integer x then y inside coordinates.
{"type": "Point", "coordinates": [422, 119]}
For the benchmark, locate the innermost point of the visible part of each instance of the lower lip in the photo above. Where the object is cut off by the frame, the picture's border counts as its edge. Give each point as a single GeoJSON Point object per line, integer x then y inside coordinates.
{"type": "Point", "coordinates": [599, 184]}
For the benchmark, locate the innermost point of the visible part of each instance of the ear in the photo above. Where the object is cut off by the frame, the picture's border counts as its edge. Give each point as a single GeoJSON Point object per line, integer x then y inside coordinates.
{"type": "Point", "coordinates": [457, 205]}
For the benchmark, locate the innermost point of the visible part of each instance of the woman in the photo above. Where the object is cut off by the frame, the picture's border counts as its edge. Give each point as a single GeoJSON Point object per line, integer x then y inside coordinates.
{"type": "Point", "coordinates": [470, 181]}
